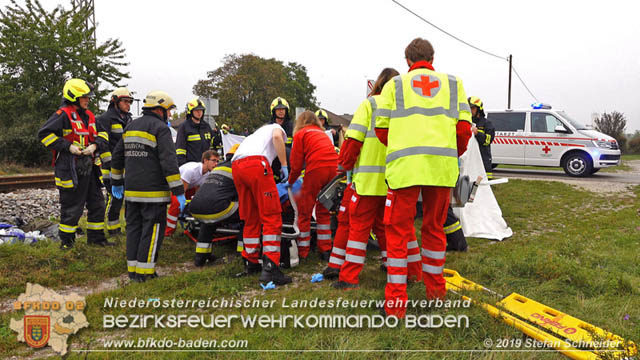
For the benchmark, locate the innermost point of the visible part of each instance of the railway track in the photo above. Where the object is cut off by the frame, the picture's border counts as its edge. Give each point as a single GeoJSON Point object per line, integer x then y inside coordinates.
{"type": "Point", "coordinates": [27, 181]}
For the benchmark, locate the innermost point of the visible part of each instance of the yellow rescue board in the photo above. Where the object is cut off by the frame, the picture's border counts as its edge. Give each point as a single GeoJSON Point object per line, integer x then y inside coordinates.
{"type": "Point", "coordinates": [567, 334]}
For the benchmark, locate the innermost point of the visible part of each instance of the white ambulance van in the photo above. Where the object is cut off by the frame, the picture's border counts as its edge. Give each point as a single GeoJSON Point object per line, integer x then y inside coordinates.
{"type": "Point", "coordinates": [542, 136]}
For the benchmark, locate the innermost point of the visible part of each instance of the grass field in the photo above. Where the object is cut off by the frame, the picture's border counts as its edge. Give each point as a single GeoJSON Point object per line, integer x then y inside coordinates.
{"type": "Point", "coordinates": [16, 169]}
{"type": "Point", "coordinates": [573, 250]}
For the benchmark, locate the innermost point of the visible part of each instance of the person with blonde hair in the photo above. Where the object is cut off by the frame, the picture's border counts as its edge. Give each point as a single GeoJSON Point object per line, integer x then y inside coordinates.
{"type": "Point", "coordinates": [313, 150]}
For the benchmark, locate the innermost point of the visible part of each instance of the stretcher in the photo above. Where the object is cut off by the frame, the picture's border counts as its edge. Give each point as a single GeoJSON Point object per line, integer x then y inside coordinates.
{"type": "Point", "coordinates": [228, 230]}
{"type": "Point", "coordinates": [572, 337]}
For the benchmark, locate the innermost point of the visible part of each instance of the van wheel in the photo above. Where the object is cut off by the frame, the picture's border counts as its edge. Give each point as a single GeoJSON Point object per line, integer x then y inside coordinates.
{"type": "Point", "coordinates": [593, 171]}
{"type": "Point", "coordinates": [493, 166]}
{"type": "Point", "coordinates": [577, 165]}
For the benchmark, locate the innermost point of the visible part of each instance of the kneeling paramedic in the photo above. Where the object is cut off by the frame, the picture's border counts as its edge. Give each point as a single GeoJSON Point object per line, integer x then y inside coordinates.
{"type": "Point", "coordinates": [216, 202]}
{"type": "Point", "coordinates": [146, 155]}
{"type": "Point", "coordinates": [425, 123]}
{"type": "Point", "coordinates": [313, 150]}
{"type": "Point", "coordinates": [258, 198]}
{"type": "Point", "coordinates": [71, 133]}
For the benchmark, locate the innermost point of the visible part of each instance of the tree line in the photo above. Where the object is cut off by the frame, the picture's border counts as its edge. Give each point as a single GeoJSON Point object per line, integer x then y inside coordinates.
{"type": "Point", "coordinates": [41, 49]}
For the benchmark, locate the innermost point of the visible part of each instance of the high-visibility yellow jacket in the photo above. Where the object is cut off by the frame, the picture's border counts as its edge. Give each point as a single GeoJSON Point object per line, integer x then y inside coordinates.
{"type": "Point", "coordinates": [423, 108]}
{"type": "Point", "coordinates": [368, 172]}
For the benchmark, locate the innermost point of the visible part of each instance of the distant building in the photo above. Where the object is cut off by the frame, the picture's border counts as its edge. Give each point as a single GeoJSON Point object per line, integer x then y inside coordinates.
{"type": "Point", "coordinates": [336, 119]}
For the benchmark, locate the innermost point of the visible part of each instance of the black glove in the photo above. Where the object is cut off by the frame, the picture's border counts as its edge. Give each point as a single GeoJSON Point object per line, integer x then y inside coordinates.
{"type": "Point", "coordinates": [84, 165]}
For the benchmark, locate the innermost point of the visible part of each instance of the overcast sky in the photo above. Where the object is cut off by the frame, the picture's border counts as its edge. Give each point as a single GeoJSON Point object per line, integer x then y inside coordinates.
{"type": "Point", "coordinates": [582, 57]}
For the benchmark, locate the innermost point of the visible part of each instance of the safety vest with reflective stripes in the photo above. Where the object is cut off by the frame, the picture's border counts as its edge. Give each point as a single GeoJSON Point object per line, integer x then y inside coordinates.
{"type": "Point", "coordinates": [80, 134]}
{"type": "Point", "coordinates": [369, 169]}
{"type": "Point", "coordinates": [423, 108]}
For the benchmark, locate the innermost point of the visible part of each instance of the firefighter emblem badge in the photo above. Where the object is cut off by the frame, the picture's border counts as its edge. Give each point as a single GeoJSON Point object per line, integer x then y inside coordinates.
{"type": "Point", "coordinates": [36, 330]}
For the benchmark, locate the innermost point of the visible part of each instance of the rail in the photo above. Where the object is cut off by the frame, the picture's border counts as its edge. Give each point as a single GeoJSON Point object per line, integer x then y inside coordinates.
{"type": "Point", "coordinates": [26, 181]}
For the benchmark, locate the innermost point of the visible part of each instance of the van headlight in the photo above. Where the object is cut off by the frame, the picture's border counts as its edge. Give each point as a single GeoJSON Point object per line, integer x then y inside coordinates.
{"type": "Point", "coordinates": [604, 144]}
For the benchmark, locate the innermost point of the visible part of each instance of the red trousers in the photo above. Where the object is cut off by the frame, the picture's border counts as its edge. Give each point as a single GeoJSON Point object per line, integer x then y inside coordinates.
{"type": "Point", "coordinates": [342, 233]}
{"type": "Point", "coordinates": [313, 182]}
{"type": "Point", "coordinates": [174, 212]}
{"type": "Point", "coordinates": [365, 213]}
{"type": "Point", "coordinates": [259, 207]}
{"type": "Point", "coordinates": [399, 216]}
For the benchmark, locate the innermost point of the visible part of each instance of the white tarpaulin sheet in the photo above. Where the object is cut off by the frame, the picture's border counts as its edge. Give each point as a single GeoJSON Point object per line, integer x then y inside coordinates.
{"type": "Point", "coordinates": [482, 218]}
{"type": "Point", "coordinates": [228, 140]}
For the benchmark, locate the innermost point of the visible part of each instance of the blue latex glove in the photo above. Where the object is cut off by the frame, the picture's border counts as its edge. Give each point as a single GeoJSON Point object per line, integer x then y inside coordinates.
{"type": "Point", "coordinates": [182, 201]}
{"type": "Point", "coordinates": [269, 286]}
{"type": "Point", "coordinates": [284, 174]}
{"type": "Point", "coordinates": [117, 191]}
{"type": "Point", "coordinates": [317, 278]}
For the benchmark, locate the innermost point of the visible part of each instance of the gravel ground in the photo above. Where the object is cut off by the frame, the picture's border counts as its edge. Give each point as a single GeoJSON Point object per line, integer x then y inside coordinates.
{"type": "Point", "coordinates": [29, 204]}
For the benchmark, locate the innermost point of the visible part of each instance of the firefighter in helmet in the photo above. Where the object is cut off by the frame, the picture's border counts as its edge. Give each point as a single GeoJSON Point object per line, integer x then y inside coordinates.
{"type": "Point", "coordinates": [111, 125]}
{"type": "Point", "coordinates": [71, 134]}
{"type": "Point", "coordinates": [484, 132]}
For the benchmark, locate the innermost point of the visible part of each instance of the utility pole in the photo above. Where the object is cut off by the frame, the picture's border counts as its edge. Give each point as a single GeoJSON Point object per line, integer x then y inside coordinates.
{"type": "Point", "coordinates": [90, 21]}
{"type": "Point", "coordinates": [509, 97]}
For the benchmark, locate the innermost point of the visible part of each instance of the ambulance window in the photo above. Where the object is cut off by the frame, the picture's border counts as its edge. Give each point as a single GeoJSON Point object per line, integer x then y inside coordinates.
{"type": "Point", "coordinates": [544, 123]}
{"type": "Point", "coordinates": [510, 121]}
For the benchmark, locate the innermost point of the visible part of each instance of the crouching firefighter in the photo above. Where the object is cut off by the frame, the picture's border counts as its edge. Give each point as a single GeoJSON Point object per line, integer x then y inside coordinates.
{"type": "Point", "coordinates": [216, 203]}
{"type": "Point", "coordinates": [71, 133]}
{"type": "Point", "coordinates": [147, 155]}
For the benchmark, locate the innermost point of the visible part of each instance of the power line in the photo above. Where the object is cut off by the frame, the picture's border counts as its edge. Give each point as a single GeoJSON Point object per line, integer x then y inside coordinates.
{"type": "Point", "coordinates": [468, 44]}
{"type": "Point", "coordinates": [525, 85]}
{"type": "Point", "coordinates": [444, 31]}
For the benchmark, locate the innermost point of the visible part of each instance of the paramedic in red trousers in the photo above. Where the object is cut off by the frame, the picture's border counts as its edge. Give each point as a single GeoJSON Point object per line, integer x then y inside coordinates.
{"type": "Point", "coordinates": [364, 154]}
{"type": "Point", "coordinates": [71, 133]}
{"type": "Point", "coordinates": [338, 252]}
{"type": "Point", "coordinates": [192, 175]}
{"type": "Point", "coordinates": [111, 126]}
{"type": "Point", "coordinates": [425, 121]}
{"type": "Point", "coordinates": [313, 151]}
{"type": "Point", "coordinates": [258, 198]}
{"type": "Point", "coordinates": [146, 155]}
{"type": "Point", "coordinates": [194, 134]}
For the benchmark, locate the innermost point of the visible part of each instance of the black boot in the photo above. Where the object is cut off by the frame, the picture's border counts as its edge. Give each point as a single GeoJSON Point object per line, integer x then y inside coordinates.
{"type": "Point", "coordinates": [343, 285]}
{"type": "Point", "coordinates": [66, 244]}
{"type": "Point", "coordinates": [115, 232]}
{"type": "Point", "coordinates": [249, 268]}
{"type": "Point", "coordinates": [67, 240]}
{"type": "Point", "coordinates": [324, 256]}
{"type": "Point", "coordinates": [97, 238]}
{"type": "Point", "coordinates": [202, 258]}
{"type": "Point", "coordinates": [100, 242]}
{"type": "Point", "coordinates": [271, 272]}
{"type": "Point", "coordinates": [331, 273]}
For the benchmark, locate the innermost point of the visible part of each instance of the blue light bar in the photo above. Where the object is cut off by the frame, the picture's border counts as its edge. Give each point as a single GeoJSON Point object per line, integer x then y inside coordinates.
{"type": "Point", "coordinates": [539, 105]}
